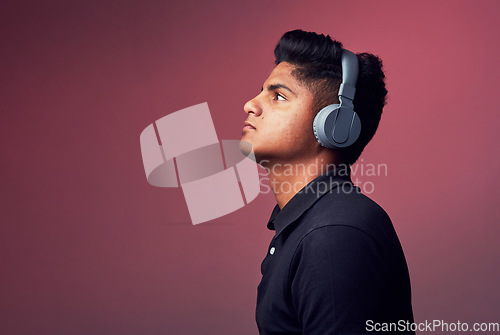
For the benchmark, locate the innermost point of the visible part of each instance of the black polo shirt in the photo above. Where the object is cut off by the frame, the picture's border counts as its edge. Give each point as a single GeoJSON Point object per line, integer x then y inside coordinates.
{"type": "Point", "coordinates": [334, 266]}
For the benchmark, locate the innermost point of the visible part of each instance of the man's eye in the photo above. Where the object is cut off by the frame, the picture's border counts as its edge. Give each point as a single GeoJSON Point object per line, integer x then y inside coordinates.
{"type": "Point", "coordinates": [279, 97]}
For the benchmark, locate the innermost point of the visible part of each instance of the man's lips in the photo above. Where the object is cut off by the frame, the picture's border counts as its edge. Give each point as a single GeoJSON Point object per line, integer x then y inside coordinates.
{"type": "Point", "coordinates": [248, 126]}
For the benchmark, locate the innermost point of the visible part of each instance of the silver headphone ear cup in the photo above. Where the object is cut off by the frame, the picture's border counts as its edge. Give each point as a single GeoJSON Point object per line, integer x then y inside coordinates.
{"type": "Point", "coordinates": [346, 127]}
{"type": "Point", "coordinates": [316, 132]}
{"type": "Point", "coordinates": [319, 126]}
{"type": "Point", "coordinates": [336, 122]}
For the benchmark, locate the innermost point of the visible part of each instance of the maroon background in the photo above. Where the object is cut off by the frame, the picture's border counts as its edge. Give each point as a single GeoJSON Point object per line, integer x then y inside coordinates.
{"type": "Point", "coordinates": [88, 247]}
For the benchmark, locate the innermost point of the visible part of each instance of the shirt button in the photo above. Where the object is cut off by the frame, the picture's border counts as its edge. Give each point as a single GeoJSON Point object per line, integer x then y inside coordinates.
{"type": "Point", "coordinates": [272, 250]}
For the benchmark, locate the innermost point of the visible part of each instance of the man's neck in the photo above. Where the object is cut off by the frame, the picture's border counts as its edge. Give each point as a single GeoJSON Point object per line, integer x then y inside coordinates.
{"type": "Point", "coordinates": [287, 179]}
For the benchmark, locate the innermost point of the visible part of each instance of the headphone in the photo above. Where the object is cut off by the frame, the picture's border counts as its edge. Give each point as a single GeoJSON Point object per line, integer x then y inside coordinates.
{"type": "Point", "coordinates": [338, 126]}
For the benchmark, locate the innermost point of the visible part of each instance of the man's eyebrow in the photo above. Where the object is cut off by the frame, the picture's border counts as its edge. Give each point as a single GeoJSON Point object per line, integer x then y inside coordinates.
{"type": "Point", "coordinates": [272, 87]}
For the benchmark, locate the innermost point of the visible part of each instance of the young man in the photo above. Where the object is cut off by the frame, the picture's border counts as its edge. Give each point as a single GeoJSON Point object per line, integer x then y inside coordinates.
{"type": "Point", "coordinates": [335, 264]}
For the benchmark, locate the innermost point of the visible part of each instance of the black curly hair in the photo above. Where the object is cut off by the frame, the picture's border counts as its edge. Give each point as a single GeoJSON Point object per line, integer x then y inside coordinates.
{"type": "Point", "coordinates": [317, 64]}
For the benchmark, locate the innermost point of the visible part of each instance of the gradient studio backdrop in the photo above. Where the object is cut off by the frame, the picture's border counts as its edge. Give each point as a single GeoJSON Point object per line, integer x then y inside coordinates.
{"type": "Point", "coordinates": [87, 246]}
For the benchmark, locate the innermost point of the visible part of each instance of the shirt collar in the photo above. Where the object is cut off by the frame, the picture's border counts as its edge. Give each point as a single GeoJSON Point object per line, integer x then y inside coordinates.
{"type": "Point", "coordinates": [306, 197]}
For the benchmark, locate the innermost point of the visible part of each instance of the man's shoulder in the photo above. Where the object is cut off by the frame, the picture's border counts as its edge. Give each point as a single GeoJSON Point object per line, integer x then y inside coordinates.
{"type": "Point", "coordinates": [349, 208]}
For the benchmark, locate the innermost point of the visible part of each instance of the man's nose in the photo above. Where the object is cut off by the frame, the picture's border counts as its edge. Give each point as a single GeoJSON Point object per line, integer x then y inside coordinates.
{"type": "Point", "coordinates": [253, 106]}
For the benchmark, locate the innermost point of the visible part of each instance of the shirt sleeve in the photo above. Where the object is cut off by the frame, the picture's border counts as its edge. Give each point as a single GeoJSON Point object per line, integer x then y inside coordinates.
{"type": "Point", "coordinates": [337, 280]}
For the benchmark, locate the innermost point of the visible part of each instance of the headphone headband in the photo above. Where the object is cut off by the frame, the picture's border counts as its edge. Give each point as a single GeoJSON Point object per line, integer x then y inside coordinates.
{"type": "Point", "coordinates": [350, 70]}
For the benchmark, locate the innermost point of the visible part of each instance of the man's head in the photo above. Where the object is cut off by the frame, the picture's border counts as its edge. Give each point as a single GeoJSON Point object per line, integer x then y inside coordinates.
{"type": "Point", "coordinates": [283, 116]}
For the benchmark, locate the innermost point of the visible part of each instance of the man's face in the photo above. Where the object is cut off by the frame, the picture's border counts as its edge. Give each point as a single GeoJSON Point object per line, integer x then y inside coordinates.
{"type": "Point", "coordinates": [280, 119]}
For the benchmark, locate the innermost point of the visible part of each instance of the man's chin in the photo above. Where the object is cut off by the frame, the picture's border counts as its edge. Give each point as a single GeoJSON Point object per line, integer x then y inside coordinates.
{"type": "Point", "coordinates": [247, 149]}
